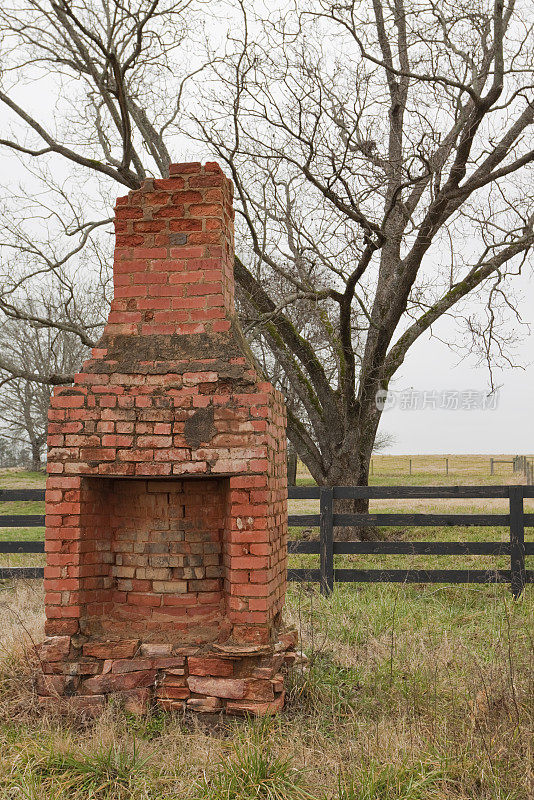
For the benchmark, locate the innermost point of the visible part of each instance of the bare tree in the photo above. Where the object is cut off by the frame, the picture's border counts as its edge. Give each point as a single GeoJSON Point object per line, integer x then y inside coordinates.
{"type": "Point", "coordinates": [33, 358]}
{"type": "Point", "coordinates": [382, 154]}
{"type": "Point", "coordinates": [115, 75]}
{"type": "Point", "coordinates": [118, 85]}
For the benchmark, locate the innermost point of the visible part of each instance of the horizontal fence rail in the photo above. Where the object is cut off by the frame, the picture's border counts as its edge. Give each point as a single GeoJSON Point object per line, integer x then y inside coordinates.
{"type": "Point", "coordinates": [516, 549]}
{"type": "Point", "coordinates": [21, 521]}
{"type": "Point", "coordinates": [326, 547]}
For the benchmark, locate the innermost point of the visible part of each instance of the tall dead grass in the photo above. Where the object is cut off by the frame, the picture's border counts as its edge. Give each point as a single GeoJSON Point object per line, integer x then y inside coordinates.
{"type": "Point", "coordinates": [410, 692]}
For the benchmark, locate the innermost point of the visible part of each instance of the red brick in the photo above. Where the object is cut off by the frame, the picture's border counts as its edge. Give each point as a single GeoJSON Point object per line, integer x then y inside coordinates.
{"type": "Point", "coordinates": [205, 210]}
{"type": "Point", "coordinates": [250, 589]}
{"type": "Point", "coordinates": [171, 705]}
{"type": "Point", "coordinates": [207, 181]}
{"type": "Point", "coordinates": [186, 225]}
{"type": "Point", "coordinates": [154, 441]}
{"type": "Point", "coordinates": [148, 226]}
{"type": "Point", "coordinates": [173, 692]}
{"type": "Point", "coordinates": [123, 665]}
{"type": "Point", "coordinates": [136, 701]}
{"type": "Point", "coordinates": [97, 454]}
{"type": "Point", "coordinates": [50, 685]}
{"type": "Point", "coordinates": [60, 585]}
{"type": "Point", "coordinates": [249, 707]}
{"type": "Point", "coordinates": [115, 440]}
{"type": "Point", "coordinates": [61, 627]}
{"type": "Point", "coordinates": [186, 252]}
{"type": "Point", "coordinates": [156, 650]}
{"type": "Point", "coordinates": [229, 688]}
{"type": "Point", "coordinates": [146, 600]}
{"type": "Point", "coordinates": [168, 183]}
{"type": "Point", "coordinates": [261, 690]}
{"type": "Point", "coordinates": [57, 612]}
{"type": "Point", "coordinates": [259, 604]}
{"type": "Point", "coordinates": [128, 213]}
{"type": "Point", "coordinates": [250, 562]}
{"type": "Point", "coordinates": [192, 167]}
{"type": "Point", "coordinates": [68, 401]}
{"type": "Point", "coordinates": [102, 684]}
{"type": "Point", "coordinates": [125, 648]}
{"type": "Point", "coordinates": [221, 325]}
{"type": "Point", "coordinates": [207, 705]}
{"type": "Point", "coordinates": [168, 662]}
{"type": "Point", "coordinates": [210, 666]}
{"type": "Point", "coordinates": [150, 252]}
{"type": "Point", "coordinates": [122, 240]}
{"type": "Point", "coordinates": [186, 196]}
{"type": "Point", "coordinates": [55, 648]}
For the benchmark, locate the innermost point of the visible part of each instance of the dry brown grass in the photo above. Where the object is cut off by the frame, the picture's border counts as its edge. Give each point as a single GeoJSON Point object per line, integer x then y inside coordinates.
{"type": "Point", "coordinates": [401, 680]}
{"type": "Point", "coordinates": [431, 469]}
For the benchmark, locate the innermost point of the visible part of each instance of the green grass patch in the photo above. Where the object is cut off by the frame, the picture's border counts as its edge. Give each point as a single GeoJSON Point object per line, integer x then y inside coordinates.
{"type": "Point", "coordinates": [251, 770]}
{"type": "Point", "coordinates": [22, 479]}
{"type": "Point", "coordinates": [106, 773]}
{"type": "Point", "coordinates": [418, 781]}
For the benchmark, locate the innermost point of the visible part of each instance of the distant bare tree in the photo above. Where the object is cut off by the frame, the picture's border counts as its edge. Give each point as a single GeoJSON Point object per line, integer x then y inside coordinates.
{"type": "Point", "coordinates": [32, 359]}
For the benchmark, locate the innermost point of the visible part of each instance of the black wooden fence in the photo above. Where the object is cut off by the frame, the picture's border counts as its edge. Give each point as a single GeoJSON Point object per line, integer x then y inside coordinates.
{"type": "Point", "coordinates": [326, 547]}
{"type": "Point", "coordinates": [516, 549]}
{"type": "Point", "coordinates": [21, 521]}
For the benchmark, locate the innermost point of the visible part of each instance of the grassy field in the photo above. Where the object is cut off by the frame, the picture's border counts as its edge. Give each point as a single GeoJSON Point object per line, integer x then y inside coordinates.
{"type": "Point", "coordinates": [411, 693]}
{"type": "Point", "coordinates": [430, 470]}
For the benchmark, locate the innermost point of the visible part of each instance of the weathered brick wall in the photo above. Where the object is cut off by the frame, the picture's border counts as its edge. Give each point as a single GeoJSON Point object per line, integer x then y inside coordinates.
{"type": "Point", "coordinates": [166, 497]}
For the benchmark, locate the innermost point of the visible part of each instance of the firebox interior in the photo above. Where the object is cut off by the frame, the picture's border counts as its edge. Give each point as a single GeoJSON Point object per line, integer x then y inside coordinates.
{"type": "Point", "coordinates": [154, 552]}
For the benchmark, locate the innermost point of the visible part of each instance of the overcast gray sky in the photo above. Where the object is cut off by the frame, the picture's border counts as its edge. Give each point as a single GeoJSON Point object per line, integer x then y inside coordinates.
{"type": "Point", "coordinates": [430, 366]}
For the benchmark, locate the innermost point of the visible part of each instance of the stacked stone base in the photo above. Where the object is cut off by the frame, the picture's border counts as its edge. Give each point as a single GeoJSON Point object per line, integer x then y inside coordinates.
{"type": "Point", "coordinates": [81, 676]}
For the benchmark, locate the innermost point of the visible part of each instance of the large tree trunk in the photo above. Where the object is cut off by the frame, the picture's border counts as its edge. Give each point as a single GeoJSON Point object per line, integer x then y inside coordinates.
{"type": "Point", "coordinates": [36, 456]}
{"type": "Point", "coordinates": [351, 468]}
{"type": "Point", "coordinates": [292, 460]}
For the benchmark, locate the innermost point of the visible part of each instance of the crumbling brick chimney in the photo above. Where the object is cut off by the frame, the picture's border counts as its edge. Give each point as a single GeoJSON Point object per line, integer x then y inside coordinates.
{"type": "Point", "coordinates": [166, 514]}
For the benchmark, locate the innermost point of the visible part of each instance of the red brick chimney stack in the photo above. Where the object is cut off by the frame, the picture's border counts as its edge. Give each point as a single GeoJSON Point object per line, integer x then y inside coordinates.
{"type": "Point", "coordinates": [166, 512]}
{"type": "Point", "coordinates": [173, 270]}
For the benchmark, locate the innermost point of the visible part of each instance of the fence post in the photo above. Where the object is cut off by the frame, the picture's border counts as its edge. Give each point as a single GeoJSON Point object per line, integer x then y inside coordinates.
{"type": "Point", "coordinates": [491, 466]}
{"type": "Point", "coordinates": [326, 539]}
{"type": "Point", "coordinates": [446, 466]}
{"type": "Point", "coordinates": [517, 541]}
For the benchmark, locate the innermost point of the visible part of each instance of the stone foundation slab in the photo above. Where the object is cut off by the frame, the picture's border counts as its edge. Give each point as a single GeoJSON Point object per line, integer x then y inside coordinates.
{"type": "Point", "coordinates": [80, 677]}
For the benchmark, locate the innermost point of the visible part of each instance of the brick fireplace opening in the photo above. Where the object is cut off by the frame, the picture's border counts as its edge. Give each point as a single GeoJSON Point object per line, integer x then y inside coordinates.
{"type": "Point", "coordinates": [157, 551]}
{"type": "Point", "coordinates": [166, 511]}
